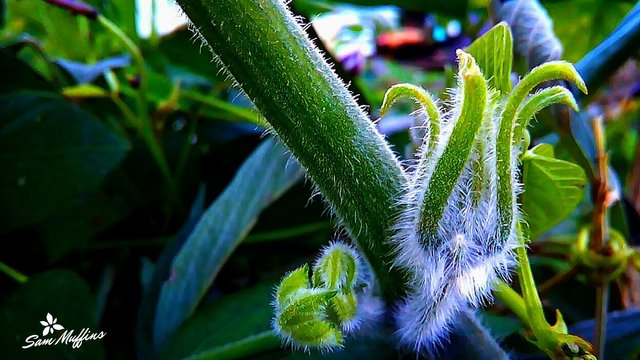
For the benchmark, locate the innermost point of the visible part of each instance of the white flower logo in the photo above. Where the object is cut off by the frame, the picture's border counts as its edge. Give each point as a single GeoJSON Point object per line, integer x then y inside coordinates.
{"type": "Point", "coordinates": [50, 325]}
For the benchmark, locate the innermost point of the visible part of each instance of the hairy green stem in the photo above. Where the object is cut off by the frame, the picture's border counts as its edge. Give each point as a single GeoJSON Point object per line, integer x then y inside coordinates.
{"type": "Point", "coordinates": [456, 153]}
{"type": "Point", "coordinates": [422, 98]}
{"type": "Point", "coordinates": [537, 102]}
{"type": "Point", "coordinates": [315, 116]}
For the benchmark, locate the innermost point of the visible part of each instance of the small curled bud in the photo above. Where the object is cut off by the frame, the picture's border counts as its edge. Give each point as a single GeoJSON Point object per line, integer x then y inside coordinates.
{"type": "Point", "coordinates": [539, 101]}
{"type": "Point", "coordinates": [300, 312]}
{"type": "Point", "coordinates": [316, 312]}
{"type": "Point", "coordinates": [337, 267]}
{"type": "Point", "coordinates": [422, 98]}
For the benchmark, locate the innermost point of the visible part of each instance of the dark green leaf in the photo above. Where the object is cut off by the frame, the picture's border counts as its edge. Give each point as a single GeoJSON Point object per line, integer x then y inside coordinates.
{"type": "Point", "coordinates": [50, 151]}
{"type": "Point", "coordinates": [72, 228]}
{"type": "Point", "coordinates": [553, 188]}
{"type": "Point", "coordinates": [370, 348]}
{"type": "Point", "coordinates": [263, 177]}
{"type": "Point", "coordinates": [67, 297]}
{"type": "Point", "coordinates": [226, 321]}
{"type": "Point", "coordinates": [500, 326]}
{"type": "Point", "coordinates": [17, 75]}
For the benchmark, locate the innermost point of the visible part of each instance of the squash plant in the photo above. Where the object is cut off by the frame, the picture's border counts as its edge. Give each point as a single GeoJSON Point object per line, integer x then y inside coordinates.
{"type": "Point", "coordinates": [437, 237]}
{"type": "Point", "coordinates": [422, 244]}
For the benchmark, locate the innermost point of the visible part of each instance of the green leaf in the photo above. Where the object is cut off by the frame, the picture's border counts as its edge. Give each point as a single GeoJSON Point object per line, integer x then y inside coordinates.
{"type": "Point", "coordinates": [500, 326]}
{"type": "Point", "coordinates": [53, 26]}
{"type": "Point", "coordinates": [493, 52]}
{"type": "Point", "coordinates": [263, 177]}
{"type": "Point", "coordinates": [63, 294]}
{"type": "Point", "coordinates": [294, 281]}
{"type": "Point", "coordinates": [553, 188]}
{"type": "Point", "coordinates": [50, 152]}
{"type": "Point", "coordinates": [217, 326]}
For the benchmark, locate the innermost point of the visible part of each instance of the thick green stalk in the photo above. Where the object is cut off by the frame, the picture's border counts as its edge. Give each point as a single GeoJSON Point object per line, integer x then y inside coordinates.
{"type": "Point", "coordinates": [312, 112]}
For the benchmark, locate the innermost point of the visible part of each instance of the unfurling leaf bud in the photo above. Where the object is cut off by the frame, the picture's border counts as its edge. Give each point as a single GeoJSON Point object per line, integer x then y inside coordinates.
{"type": "Point", "coordinates": [314, 314]}
{"type": "Point", "coordinates": [337, 267]}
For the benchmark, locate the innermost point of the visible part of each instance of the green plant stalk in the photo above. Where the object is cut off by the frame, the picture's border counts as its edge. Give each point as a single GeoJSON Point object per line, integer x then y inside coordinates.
{"type": "Point", "coordinates": [264, 341]}
{"type": "Point", "coordinates": [13, 273]}
{"type": "Point", "coordinates": [512, 300]}
{"type": "Point", "coordinates": [529, 291]}
{"type": "Point", "coordinates": [315, 116]}
{"type": "Point", "coordinates": [245, 114]}
{"type": "Point", "coordinates": [143, 123]}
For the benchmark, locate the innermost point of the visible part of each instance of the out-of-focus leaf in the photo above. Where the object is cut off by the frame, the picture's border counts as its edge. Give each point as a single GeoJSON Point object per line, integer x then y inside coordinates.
{"type": "Point", "coordinates": [72, 227]}
{"type": "Point", "coordinates": [494, 53]}
{"type": "Point", "coordinates": [500, 326]}
{"type": "Point", "coordinates": [228, 320]}
{"type": "Point", "coordinates": [263, 177]}
{"type": "Point", "coordinates": [84, 91]}
{"type": "Point", "coordinates": [622, 337]}
{"type": "Point", "coordinates": [86, 73]}
{"type": "Point", "coordinates": [53, 26]}
{"type": "Point", "coordinates": [453, 7]}
{"type": "Point", "coordinates": [120, 12]}
{"type": "Point", "coordinates": [17, 75]}
{"type": "Point", "coordinates": [596, 66]}
{"type": "Point", "coordinates": [50, 151]}
{"type": "Point", "coordinates": [370, 348]}
{"type": "Point", "coordinates": [63, 294]}
{"type": "Point", "coordinates": [151, 288]}
{"type": "Point", "coordinates": [532, 29]}
{"type": "Point", "coordinates": [470, 340]}
{"type": "Point", "coordinates": [178, 52]}
{"type": "Point", "coordinates": [582, 24]}
{"type": "Point", "coordinates": [553, 188]}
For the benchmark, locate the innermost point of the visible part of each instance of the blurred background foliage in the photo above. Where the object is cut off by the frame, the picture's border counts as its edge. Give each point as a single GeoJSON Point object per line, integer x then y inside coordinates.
{"type": "Point", "coordinates": [112, 152]}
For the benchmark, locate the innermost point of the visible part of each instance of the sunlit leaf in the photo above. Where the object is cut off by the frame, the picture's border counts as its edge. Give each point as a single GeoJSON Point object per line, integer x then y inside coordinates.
{"type": "Point", "coordinates": [553, 188]}
{"type": "Point", "coordinates": [493, 52]}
